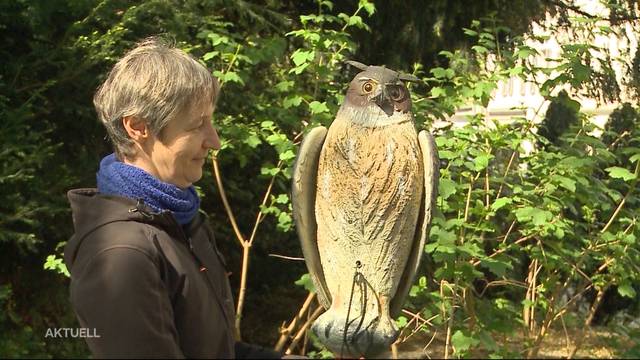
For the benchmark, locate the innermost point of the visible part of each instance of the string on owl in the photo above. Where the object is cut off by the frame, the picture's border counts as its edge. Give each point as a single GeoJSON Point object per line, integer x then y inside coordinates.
{"type": "Point", "coordinates": [358, 279]}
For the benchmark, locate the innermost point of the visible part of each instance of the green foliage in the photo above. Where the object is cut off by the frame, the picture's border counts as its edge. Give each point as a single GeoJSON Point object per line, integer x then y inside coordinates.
{"type": "Point", "coordinates": [569, 208]}
{"type": "Point", "coordinates": [305, 281]}
{"type": "Point", "coordinates": [22, 341]}
{"type": "Point", "coordinates": [56, 264]}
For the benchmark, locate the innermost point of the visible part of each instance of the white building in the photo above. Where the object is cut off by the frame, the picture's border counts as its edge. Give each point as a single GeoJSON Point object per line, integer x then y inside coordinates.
{"type": "Point", "coordinates": [519, 98]}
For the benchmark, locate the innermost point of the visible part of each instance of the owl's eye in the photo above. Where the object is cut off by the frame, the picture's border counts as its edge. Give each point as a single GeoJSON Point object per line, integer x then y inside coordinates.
{"type": "Point", "coordinates": [396, 93]}
{"type": "Point", "coordinates": [367, 87]}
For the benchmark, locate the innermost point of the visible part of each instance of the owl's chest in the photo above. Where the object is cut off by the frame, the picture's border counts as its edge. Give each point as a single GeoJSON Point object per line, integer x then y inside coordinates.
{"type": "Point", "coordinates": [361, 162]}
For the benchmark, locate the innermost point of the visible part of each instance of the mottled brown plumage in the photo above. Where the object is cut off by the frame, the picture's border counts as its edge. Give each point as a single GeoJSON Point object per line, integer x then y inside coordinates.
{"type": "Point", "coordinates": [362, 196]}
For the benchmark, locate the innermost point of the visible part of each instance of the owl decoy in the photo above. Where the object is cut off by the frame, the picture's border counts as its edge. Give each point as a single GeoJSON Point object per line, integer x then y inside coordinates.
{"type": "Point", "coordinates": [362, 194]}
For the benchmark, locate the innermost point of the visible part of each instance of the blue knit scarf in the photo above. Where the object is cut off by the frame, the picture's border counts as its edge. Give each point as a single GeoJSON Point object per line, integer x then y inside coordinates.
{"type": "Point", "coordinates": [118, 178]}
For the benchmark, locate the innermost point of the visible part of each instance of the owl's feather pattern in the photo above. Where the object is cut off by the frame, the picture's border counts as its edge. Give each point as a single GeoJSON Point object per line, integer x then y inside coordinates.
{"type": "Point", "coordinates": [369, 196]}
{"type": "Point", "coordinates": [358, 194]}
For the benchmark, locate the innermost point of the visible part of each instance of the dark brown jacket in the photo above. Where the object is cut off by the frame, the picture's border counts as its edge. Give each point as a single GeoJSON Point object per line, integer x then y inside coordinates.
{"type": "Point", "coordinates": [148, 286]}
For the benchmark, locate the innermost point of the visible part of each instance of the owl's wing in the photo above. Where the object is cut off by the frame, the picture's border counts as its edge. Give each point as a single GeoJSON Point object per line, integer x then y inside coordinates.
{"type": "Point", "coordinates": [431, 177]}
{"type": "Point", "coordinates": [303, 196]}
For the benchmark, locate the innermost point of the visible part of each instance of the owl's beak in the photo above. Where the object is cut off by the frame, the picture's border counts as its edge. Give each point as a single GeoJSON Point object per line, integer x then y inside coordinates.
{"type": "Point", "coordinates": [383, 101]}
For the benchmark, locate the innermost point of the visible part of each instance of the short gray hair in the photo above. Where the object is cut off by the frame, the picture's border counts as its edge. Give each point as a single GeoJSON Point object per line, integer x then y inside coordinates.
{"type": "Point", "coordinates": [154, 82]}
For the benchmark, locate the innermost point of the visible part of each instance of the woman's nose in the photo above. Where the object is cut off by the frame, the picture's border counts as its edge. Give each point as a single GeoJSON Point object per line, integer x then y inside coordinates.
{"type": "Point", "coordinates": [212, 141]}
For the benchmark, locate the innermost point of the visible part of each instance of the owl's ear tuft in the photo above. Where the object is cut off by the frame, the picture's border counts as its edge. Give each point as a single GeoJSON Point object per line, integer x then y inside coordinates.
{"type": "Point", "coordinates": [356, 64]}
{"type": "Point", "coordinates": [408, 77]}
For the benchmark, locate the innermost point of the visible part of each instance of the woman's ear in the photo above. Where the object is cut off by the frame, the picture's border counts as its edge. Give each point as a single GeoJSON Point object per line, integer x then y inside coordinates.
{"type": "Point", "coordinates": [136, 128]}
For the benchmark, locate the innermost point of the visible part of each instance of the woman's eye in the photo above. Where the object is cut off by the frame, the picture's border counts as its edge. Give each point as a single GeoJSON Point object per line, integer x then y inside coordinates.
{"type": "Point", "coordinates": [200, 124]}
{"type": "Point", "coordinates": [367, 87]}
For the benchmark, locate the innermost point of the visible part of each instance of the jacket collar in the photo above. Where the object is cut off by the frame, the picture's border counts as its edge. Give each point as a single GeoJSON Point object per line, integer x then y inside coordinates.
{"type": "Point", "coordinates": [91, 210]}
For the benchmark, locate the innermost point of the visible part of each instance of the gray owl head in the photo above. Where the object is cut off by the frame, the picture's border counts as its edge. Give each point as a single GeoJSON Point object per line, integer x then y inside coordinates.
{"type": "Point", "coordinates": [384, 87]}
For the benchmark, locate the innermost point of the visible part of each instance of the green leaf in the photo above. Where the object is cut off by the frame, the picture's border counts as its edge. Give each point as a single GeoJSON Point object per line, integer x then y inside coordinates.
{"type": "Point", "coordinates": [470, 248]}
{"type": "Point", "coordinates": [438, 92]}
{"type": "Point", "coordinates": [470, 32]}
{"type": "Point", "coordinates": [253, 141]}
{"type": "Point", "coordinates": [355, 20]}
{"type": "Point", "coordinates": [271, 171]}
{"type": "Point", "coordinates": [500, 203]}
{"type": "Point", "coordinates": [629, 239]}
{"type": "Point", "coordinates": [446, 188]}
{"type": "Point", "coordinates": [56, 264]}
{"type": "Point", "coordinates": [524, 52]}
{"type": "Point", "coordinates": [369, 7]}
{"type": "Point", "coordinates": [328, 4]}
{"type": "Point", "coordinates": [496, 266]}
{"type": "Point", "coordinates": [565, 182]}
{"type": "Point", "coordinates": [516, 70]}
{"type": "Point", "coordinates": [461, 342]}
{"type": "Point", "coordinates": [292, 101]}
{"type": "Point", "coordinates": [533, 215]}
{"type": "Point", "coordinates": [439, 72]}
{"type": "Point", "coordinates": [401, 322]}
{"type": "Point", "coordinates": [287, 155]}
{"type": "Point", "coordinates": [300, 57]}
{"type": "Point", "coordinates": [210, 55]}
{"type": "Point", "coordinates": [284, 85]}
{"type": "Point", "coordinates": [581, 72]}
{"type": "Point", "coordinates": [273, 210]}
{"type": "Point", "coordinates": [267, 124]}
{"type": "Point", "coordinates": [446, 154]}
{"type": "Point", "coordinates": [306, 18]}
{"type": "Point", "coordinates": [634, 158]}
{"type": "Point", "coordinates": [431, 247]}
{"type": "Point", "coordinates": [217, 39]}
{"type": "Point", "coordinates": [282, 199]}
{"type": "Point", "coordinates": [231, 76]}
{"type": "Point", "coordinates": [626, 290]}
{"type": "Point", "coordinates": [299, 69]}
{"type": "Point", "coordinates": [284, 222]}
{"type": "Point", "coordinates": [305, 281]}
{"type": "Point", "coordinates": [480, 49]}
{"type": "Point", "coordinates": [481, 161]}
{"type": "Point", "coordinates": [620, 173]}
{"type": "Point", "coordinates": [444, 237]}
{"type": "Point", "coordinates": [317, 107]}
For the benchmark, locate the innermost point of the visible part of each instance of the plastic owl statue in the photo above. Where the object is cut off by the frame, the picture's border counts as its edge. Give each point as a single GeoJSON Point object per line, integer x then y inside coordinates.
{"type": "Point", "coordinates": [363, 194]}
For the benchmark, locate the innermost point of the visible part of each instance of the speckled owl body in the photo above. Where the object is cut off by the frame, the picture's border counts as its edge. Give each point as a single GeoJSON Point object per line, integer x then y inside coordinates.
{"type": "Point", "coordinates": [368, 195]}
{"type": "Point", "coordinates": [362, 196]}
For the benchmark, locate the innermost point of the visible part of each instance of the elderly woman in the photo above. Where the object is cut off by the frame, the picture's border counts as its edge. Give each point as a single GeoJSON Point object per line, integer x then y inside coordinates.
{"type": "Point", "coordinates": [146, 275]}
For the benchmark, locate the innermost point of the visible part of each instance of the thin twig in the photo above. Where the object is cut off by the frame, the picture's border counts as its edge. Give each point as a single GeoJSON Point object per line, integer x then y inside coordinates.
{"type": "Point", "coordinates": [450, 320]}
{"type": "Point", "coordinates": [415, 318]}
{"type": "Point", "coordinates": [286, 257]}
{"type": "Point", "coordinates": [264, 202]}
{"type": "Point", "coordinates": [466, 208]}
{"type": "Point", "coordinates": [286, 332]}
{"type": "Point", "coordinates": [303, 330]}
{"type": "Point", "coordinates": [566, 334]}
{"type": "Point", "coordinates": [225, 202]}
{"type": "Point", "coordinates": [500, 251]}
{"type": "Point", "coordinates": [506, 171]}
{"type": "Point", "coordinates": [631, 187]}
{"type": "Point", "coordinates": [424, 349]}
{"type": "Point", "coordinates": [243, 288]}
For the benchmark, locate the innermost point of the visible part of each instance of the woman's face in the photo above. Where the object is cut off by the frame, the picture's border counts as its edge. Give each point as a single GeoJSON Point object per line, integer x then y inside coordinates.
{"type": "Point", "coordinates": [178, 154]}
